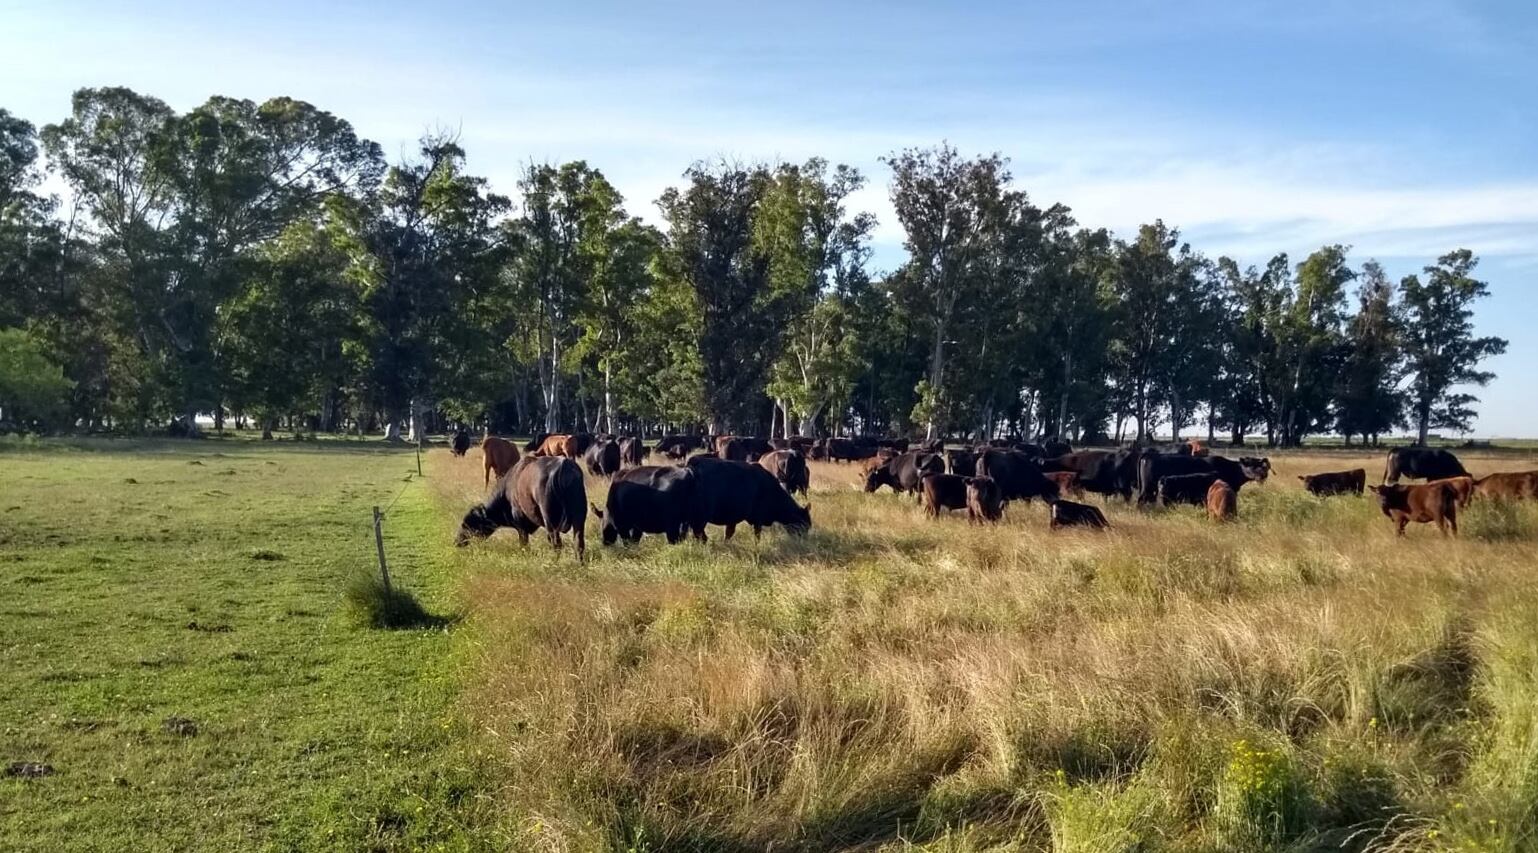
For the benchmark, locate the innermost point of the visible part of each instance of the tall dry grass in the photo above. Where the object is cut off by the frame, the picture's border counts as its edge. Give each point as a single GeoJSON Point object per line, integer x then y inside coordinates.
{"type": "Point", "coordinates": [1299, 679]}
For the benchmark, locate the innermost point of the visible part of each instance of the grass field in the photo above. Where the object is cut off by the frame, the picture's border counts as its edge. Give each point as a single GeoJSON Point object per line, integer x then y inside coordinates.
{"type": "Point", "coordinates": [1296, 680]}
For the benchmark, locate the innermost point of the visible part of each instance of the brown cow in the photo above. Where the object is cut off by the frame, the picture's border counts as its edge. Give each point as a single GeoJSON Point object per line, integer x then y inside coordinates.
{"type": "Point", "coordinates": [1521, 485]}
{"type": "Point", "coordinates": [1423, 504]}
{"type": "Point", "coordinates": [1197, 448]}
{"type": "Point", "coordinates": [553, 444]}
{"type": "Point", "coordinates": [943, 491]}
{"type": "Point", "coordinates": [498, 455]}
{"type": "Point", "coordinates": [985, 502]}
{"type": "Point", "coordinates": [1335, 482]}
{"type": "Point", "coordinates": [1222, 503]}
{"type": "Point", "coordinates": [536, 493]}
{"type": "Point", "coordinates": [1067, 482]}
{"type": "Point", "coordinates": [1462, 486]}
{"type": "Point", "coordinates": [789, 467]}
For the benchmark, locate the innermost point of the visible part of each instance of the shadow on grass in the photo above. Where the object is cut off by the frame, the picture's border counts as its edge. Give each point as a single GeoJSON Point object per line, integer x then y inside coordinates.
{"type": "Point", "coordinates": [375, 606]}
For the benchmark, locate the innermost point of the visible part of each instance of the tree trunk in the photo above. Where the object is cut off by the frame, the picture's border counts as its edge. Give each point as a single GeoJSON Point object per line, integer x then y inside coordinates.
{"type": "Point", "coordinates": [1062, 403]}
{"type": "Point", "coordinates": [1423, 423]}
{"type": "Point", "coordinates": [608, 397]}
{"type": "Point", "coordinates": [936, 370]}
{"type": "Point", "coordinates": [1175, 416]}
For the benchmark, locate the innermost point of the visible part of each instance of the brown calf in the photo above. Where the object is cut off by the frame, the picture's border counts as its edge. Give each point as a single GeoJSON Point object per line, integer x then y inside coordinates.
{"type": "Point", "coordinates": [1423, 504]}
{"type": "Point", "coordinates": [943, 491]}
{"type": "Point", "coordinates": [498, 455]}
{"type": "Point", "coordinates": [1067, 482]}
{"type": "Point", "coordinates": [985, 502]}
{"type": "Point", "coordinates": [1522, 485]}
{"type": "Point", "coordinates": [1222, 503]}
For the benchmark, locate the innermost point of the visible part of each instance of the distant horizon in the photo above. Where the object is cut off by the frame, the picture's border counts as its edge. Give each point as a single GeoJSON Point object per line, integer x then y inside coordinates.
{"type": "Point", "coordinates": [1254, 130]}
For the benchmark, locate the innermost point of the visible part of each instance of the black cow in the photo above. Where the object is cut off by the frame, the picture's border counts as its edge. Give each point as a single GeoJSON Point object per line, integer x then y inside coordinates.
{"type": "Point", "coordinates": [730, 493]}
{"type": "Point", "coordinates": [1336, 482]}
{"type": "Point", "coordinates": [603, 459]}
{"type": "Point", "coordinates": [1018, 475]}
{"type": "Point", "coordinates": [1054, 447]}
{"type": "Point", "coordinates": [539, 491]}
{"type": "Point", "coordinates": [1104, 472]}
{"type": "Point", "coordinates": [845, 450]}
{"type": "Point", "coordinates": [1185, 489]}
{"type": "Point", "coordinates": [943, 491]}
{"type": "Point", "coordinates": [650, 499]}
{"type": "Point", "coordinates": [632, 451]}
{"type": "Point", "coordinates": [932, 445]}
{"type": "Point", "coordinates": [788, 467]}
{"type": "Point", "coordinates": [678, 446]}
{"type": "Point", "coordinates": [961, 462]}
{"type": "Point", "coordinates": [1070, 514]}
{"type": "Point", "coordinates": [896, 445]}
{"type": "Point", "coordinates": [1153, 465]}
{"type": "Point", "coordinates": [1424, 463]}
{"type": "Point", "coordinates": [904, 472]}
{"type": "Point", "coordinates": [461, 443]}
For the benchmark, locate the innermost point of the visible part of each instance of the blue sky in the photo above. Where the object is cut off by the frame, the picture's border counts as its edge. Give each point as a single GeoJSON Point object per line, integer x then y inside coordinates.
{"type": "Point", "coordinates": [1403, 129]}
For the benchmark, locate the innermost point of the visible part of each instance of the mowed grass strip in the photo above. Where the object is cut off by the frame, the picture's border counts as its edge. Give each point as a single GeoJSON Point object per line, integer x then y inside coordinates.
{"type": "Point", "coordinates": [1297, 679]}
{"type": "Point", "coordinates": [174, 644]}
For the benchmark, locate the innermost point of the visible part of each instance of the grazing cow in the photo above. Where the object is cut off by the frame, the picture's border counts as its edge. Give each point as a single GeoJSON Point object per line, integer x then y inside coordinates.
{"type": "Point", "coordinates": [538, 492]}
{"type": "Point", "coordinates": [789, 468]}
{"type": "Point", "coordinates": [1222, 502]}
{"type": "Point", "coordinates": [461, 443]}
{"type": "Point", "coordinates": [649, 499]}
{"type": "Point", "coordinates": [498, 455]}
{"type": "Point", "coordinates": [1067, 482]}
{"type": "Point", "coordinates": [633, 452]}
{"type": "Point", "coordinates": [1522, 485]}
{"type": "Point", "coordinates": [1104, 472]}
{"type": "Point", "coordinates": [1070, 514]}
{"type": "Point", "coordinates": [1185, 489]}
{"type": "Point", "coordinates": [1018, 476]}
{"type": "Point", "coordinates": [678, 446]}
{"type": "Point", "coordinates": [1153, 465]}
{"type": "Point", "coordinates": [731, 447]}
{"type": "Point", "coordinates": [551, 444]}
{"type": "Point", "coordinates": [984, 500]}
{"type": "Point", "coordinates": [882, 457]}
{"type": "Point", "coordinates": [1423, 504]}
{"type": "Point", "coordinates": [754, 447]}
{"type": "Point", "coordinates": [961, 462]}
{"type": "Point", "coordinates": [1422, 463]}
{"type": "Point", "coordinates": [603, 459]}
{"type": "Point", "coordinates": [904, 471]}
{"type": "Point", "coordinates": [1351, 482]}
{"type": "Point", "coordinates": [1463, 487]}
{"type": "Point", "coordinates": [1196, 448]}
{"type": "Point", "coordinates": [943, 491]}
{"type": "Point", "coordinates": [730, 493]}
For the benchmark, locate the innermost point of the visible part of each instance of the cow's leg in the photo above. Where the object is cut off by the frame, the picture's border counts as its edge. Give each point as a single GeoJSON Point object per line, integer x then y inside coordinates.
{"type": "Point", "coordinates": [554, 535]}
{"type": "Point", "coordinates": [523, 538]}
{"type": "Point", "coordinates": [1403, 520]}
{"type": "Point", "coordinates": [730, 529]}
{"type": "Point", "coordinates": [757, 532]}
{"type": "Point", "coordinates": [581, 545]}
{"type": "Point", "coordinates": [1452, 521]}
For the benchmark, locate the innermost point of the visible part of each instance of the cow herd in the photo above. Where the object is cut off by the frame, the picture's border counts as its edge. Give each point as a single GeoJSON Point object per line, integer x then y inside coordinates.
{"type": "Point", "coordinates": [736, 480]}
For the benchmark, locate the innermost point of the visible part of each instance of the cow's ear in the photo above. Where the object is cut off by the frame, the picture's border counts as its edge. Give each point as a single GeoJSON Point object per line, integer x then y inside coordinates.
{"type": "Point", "coordinates": [1303, 478]}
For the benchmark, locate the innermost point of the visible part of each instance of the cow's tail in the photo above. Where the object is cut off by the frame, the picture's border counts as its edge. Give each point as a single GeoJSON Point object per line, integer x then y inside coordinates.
{"type": "Point", "coordinates": [1449, 501]}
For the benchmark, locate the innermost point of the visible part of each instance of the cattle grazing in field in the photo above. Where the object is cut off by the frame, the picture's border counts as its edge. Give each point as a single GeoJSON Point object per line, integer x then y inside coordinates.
{"type": "Point", "coordinates": [961, 462]}
{"type": "Point", "coordinates": [603, 459]}
{"type": "Point", "coordinates": [656, 499]}
{"type": "Point", "coordinates": [538, 492]}
{"type": "Point", "coordinates": [942, 492]}
{"type": "Point", "coordinates": [1153, 466]}
{"type": "Point", "coordinates": [1352, 482]}
{"type": "Point", "coordinates": [498, 455]}
{"type": "Point", "coordinates": [1423, 504]}
{"type": "Point", "coordinates": [984, 500]}
{"type": "Point", "coordinates": [1071, 514]}
{"type": "Point", "coordinates": [1522, 485]}
{"type": "Point", "coordinates": [1067, 482]}
{"type": "Point", "coordinates": [1185, 489]}
{"type": "Point", "coordinates": [789, 468]}
{"type": "Point", "coordinates": [1463, 487]}
{"type": "Point", "coordinates": [1018, 475]}
{"type": "Point", "coordinates": [678, 446]}
{"type": "Point", "coordinates": [1104, 472]}
{"type": "Point", "coordinates": [730, 493]}
{"type": "Point", "coordinates": [569, 445]}
{"type": "Point", "coordinates": [1421, 463]}
{"type": "Point", "coordinates": [844, 450]}
{"type": "Point", "coordinates": [633, 451]}
{"type": "Point", "coordinates": [460, 444]}
{"type": "Point", "coordinates": [1222, 501]}
{"type": "Point", "coordinates": [904, 472]}
{"type": "Point", "coordinates": [741, 448]}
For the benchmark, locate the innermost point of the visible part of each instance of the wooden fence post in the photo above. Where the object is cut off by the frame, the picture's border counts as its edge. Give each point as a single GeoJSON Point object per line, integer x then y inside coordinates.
{"type": "Point", "coordinates": [384, 571]}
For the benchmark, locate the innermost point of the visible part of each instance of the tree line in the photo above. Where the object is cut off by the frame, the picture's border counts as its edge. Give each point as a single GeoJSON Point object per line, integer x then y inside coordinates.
{"type": "Point", "coordinates": [263, 263]}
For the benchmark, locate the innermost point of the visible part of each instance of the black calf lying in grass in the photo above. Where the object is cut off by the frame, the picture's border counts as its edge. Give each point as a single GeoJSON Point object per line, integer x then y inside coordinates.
{"type": "Point", "coordinates": [1072, 514]}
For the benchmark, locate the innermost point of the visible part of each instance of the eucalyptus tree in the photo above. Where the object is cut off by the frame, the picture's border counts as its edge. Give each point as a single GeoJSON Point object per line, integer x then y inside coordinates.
{"type": "Point", "coordinates": [1368, 401]}
{"type": "Point", "coordinates": [1441, 349]}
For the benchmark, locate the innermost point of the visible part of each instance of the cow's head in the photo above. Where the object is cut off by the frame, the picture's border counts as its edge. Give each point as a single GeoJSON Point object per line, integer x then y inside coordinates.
{"type": "Point", "coordinates": [875, 478]}
{"type": "Point", "coordinates": [1390, 497]}
{"type": "Point", "coordinates": [798, 518]}
{"type": "Point", "coordinates": [609, 532]}
{"type": "Point", "coordinates": [1256, 468]}
{"type": "Point", "coordinates": [476, 525]}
